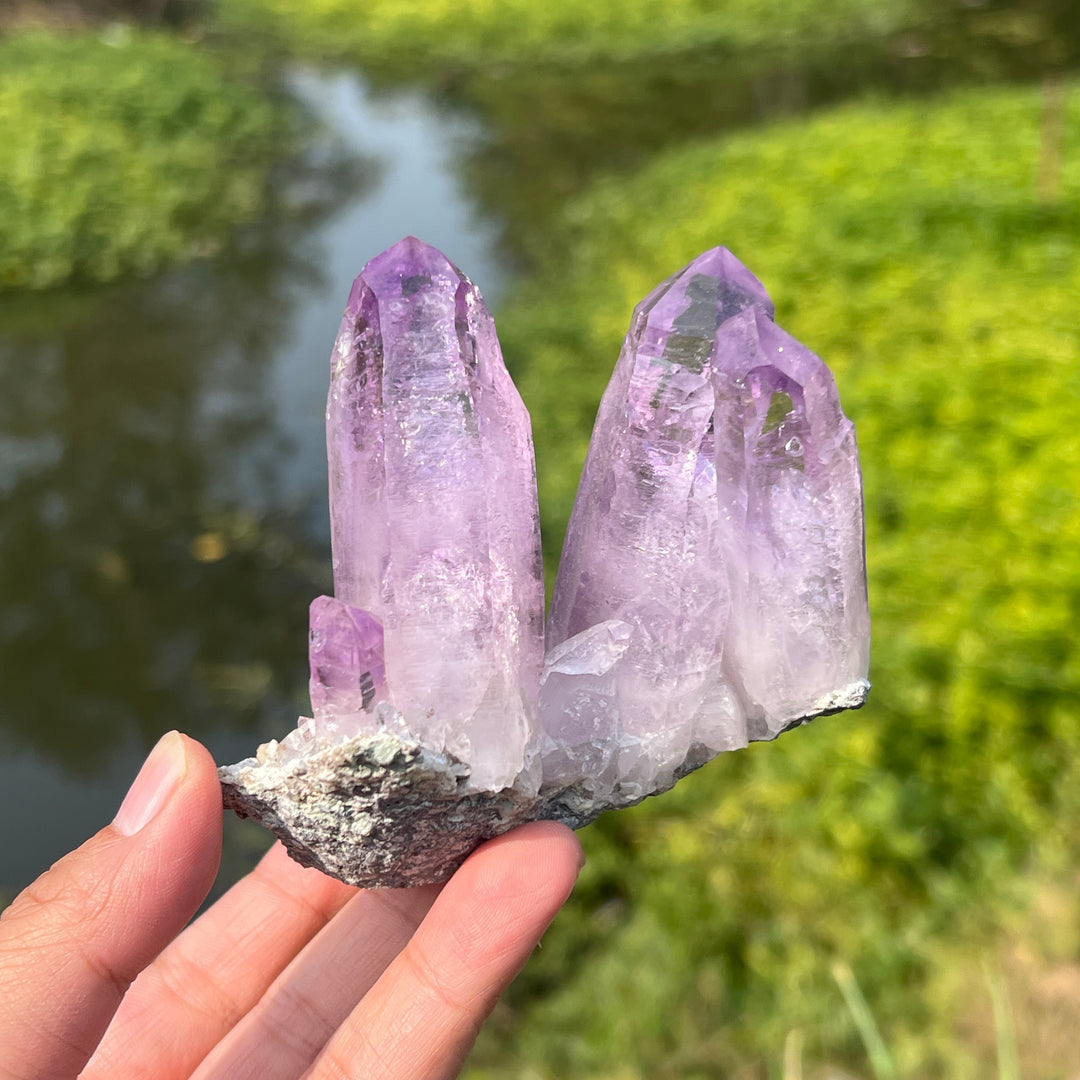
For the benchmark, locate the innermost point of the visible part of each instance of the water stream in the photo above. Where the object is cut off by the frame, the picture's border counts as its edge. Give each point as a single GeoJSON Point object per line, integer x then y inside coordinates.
{"type": "Point", "coordinates": [162, 471]}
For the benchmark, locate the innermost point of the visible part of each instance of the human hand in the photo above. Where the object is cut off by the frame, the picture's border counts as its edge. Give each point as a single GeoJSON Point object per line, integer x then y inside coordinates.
{"type": "Point", "coordinates": [289, 974]}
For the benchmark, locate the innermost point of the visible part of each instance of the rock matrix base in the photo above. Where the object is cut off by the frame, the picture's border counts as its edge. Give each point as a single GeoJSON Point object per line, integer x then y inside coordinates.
{"type": "Point", "coordinates": [712, 589]}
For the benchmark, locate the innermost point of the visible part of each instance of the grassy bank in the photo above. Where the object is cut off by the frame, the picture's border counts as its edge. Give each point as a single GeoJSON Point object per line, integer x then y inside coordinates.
{"type": "Point", "coordinates": [423, 40]}
{"type": "Point", "coordinates": [124, 151]}
{"type": "Point", "coordinates": [483, 33]}
{"type": "Point", "coordinates": [907, 244]}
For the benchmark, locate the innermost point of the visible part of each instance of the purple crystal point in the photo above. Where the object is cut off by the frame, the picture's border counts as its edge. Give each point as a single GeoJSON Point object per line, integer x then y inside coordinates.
{"type": "Point", "coordinates": [793, 526]}
{"type": "Point", "coordinates": [434, 519]}
{"type": "Point", "coordinates": [719, 516]}
{"type": "Point", "coordinates": [345, 651]}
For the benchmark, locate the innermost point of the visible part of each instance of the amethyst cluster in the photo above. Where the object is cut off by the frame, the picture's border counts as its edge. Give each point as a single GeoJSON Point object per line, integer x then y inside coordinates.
{"type": "Point", "coordinates": [712, 589]}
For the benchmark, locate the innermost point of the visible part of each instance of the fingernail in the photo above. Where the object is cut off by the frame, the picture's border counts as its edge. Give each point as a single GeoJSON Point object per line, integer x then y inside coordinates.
{"type": "Point", "coordinates": [157, 780]}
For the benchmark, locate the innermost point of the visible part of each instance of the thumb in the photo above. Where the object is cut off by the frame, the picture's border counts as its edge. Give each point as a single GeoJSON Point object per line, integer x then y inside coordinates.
{"type": "Point", "coordinates": [73, 941]}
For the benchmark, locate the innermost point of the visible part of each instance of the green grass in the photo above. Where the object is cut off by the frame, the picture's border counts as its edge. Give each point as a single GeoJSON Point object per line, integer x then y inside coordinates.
{"type": "Point", "coordinates": [905, 243]}
{"type": "Point", "coordinates": [881, 1061]}
{"type": "Point", "coordinates": [122, 154]}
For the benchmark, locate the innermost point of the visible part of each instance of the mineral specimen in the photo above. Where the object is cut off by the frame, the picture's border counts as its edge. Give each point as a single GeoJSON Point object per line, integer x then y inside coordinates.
{"type": "Point", "coordinates": [717, 537]}
{"type": "Point", "coordinates": [711, 592]}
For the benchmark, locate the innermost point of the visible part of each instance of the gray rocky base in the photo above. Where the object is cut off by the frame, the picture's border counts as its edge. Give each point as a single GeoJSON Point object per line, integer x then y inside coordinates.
{"type": "Point", "coordinates": [382, 811]}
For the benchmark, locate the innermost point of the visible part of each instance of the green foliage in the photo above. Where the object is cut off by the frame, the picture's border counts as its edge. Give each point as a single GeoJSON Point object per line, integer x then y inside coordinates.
{"type": "Point", "coordinates": [123, 153]}
{"type": "Point", "coordinates": [905, 244]}
{"type": "Point", "coordinates": [418, 39]}
{"type": "Point", "coordinates": [471, 32]}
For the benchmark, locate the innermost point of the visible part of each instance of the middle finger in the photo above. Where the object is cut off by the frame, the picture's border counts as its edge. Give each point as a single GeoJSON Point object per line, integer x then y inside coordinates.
{"type": "Point", "coordinates": [284, 1033]}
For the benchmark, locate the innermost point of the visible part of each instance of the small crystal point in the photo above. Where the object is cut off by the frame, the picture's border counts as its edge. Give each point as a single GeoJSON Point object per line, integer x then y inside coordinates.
{"type": "Point", "coordinates": [434, 520]}
{"type": "Point", "coordinates": [345, 651]}
{"type": "Point", "coordinates": [579, 696]}
{"type": "Point", "coordinates": [720, 517]}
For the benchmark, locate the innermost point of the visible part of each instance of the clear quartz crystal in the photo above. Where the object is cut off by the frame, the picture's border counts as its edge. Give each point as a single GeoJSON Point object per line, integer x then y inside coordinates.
{"type": "Point", "coordinates": [718, 526]}
{"type": "Point", "coordinates": [436, 543]}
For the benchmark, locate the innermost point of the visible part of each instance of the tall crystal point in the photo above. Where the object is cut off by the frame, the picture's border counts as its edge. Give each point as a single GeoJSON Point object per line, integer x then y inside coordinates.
{"type": "Point", "coordinates": [434, 523]}
{"type": "Point", "coordinates": [712, 587]}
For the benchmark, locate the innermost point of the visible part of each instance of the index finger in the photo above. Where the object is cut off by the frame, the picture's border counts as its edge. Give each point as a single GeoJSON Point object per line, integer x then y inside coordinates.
{"type": "Point", "coordinates": [72, 942]}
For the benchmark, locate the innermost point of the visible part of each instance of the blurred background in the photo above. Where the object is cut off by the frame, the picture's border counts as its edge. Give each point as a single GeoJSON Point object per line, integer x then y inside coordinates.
{"type": "Point", "coordinates": [187, 188]}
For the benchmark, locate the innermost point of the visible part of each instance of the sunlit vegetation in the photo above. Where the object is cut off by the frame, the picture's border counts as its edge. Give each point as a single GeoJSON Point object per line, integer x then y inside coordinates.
{"type": "Point", "coordinates": [908, 245]}
{"type": "Point", "coordinates": [123, 151]}
{"type": "Point", "coordinates": [420, 38]}
{"type": "Point", "coordinates": [468, 32]}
